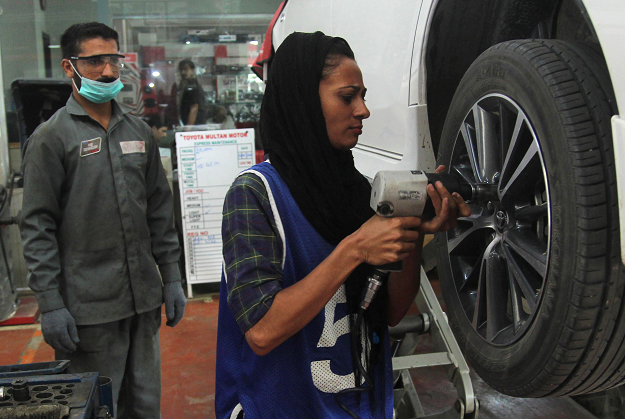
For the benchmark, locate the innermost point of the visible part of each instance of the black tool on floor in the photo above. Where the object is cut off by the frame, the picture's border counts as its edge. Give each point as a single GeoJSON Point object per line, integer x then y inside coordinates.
{"type": "Point", "coordinates": [43, 391]}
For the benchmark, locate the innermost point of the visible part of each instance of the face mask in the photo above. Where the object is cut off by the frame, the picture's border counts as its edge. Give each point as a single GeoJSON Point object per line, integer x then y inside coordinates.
{"type": "Point", "coordinates": [96, 91]}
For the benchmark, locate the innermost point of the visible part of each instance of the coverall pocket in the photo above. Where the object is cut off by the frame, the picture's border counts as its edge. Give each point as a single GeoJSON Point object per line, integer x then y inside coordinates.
{"type": "Point", "coordinates": [97, 276]}
{"type": "Point", "coordinates": [134, 165]}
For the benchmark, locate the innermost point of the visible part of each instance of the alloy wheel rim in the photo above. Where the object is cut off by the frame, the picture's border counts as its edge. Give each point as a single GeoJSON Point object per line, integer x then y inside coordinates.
{"type": "Point", "coordinates": [499, 254]}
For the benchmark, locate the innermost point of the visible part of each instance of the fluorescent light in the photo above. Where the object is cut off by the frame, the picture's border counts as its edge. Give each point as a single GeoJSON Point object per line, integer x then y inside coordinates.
{"type": "Point", "coordinates": [156, 73]}
{"type": "Point", "coordinates": [254, 42]}
{"type": "Point", "coordinates": [54, 46]}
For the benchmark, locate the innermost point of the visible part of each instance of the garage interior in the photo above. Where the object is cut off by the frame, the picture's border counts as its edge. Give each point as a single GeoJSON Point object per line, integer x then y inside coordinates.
{"type": "Point", "coordinates": [162, 33]}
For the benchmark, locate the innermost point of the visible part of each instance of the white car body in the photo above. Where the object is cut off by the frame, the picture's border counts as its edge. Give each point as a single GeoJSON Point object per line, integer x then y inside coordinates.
{"type": "Point", "coordinates": [389, 40]}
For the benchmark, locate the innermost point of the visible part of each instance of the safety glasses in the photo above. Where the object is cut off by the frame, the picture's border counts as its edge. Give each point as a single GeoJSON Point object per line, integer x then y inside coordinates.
{"type": "Point", "coordinates": [98, 62]}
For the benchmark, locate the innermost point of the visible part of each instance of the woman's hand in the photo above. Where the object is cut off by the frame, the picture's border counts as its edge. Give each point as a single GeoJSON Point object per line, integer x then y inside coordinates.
{"type": "Point", "coordinates": [448, 208]}
{"type": "Point", "coordinates": [384, 240]}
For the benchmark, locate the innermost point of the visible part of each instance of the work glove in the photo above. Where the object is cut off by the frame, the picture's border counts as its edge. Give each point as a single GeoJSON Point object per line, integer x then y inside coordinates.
{"type": "Point", "coordinates": [59, 330]}
{"type": "Point", "coordinates": [174, 302]}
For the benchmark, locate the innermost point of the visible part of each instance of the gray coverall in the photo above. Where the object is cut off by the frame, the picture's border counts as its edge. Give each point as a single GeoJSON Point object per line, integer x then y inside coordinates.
{"type": "Point", "coordinates": [97, 219]}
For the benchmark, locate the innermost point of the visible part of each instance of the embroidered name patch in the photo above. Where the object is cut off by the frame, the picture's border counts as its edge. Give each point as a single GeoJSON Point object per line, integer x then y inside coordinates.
{"type": "Point", "coordinates": [132, 147]}
{"type": "Point", "coordinates": [89, 147]}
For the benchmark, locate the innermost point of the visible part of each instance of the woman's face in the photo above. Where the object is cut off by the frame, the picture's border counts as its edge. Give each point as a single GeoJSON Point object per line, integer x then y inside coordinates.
{"type": "Point", "coordinates": [342, 96]}
{"type": "Point", "coordinates": [187, 72]}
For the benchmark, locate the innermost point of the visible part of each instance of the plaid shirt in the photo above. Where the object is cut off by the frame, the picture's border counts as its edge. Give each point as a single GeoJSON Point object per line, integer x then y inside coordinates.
{"type": "Point", "coordinates": [252, 250]}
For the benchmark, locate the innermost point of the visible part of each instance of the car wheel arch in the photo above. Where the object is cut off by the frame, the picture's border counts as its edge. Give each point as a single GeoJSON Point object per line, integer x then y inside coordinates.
{"type": "Point", "coordinates": [446, 60]}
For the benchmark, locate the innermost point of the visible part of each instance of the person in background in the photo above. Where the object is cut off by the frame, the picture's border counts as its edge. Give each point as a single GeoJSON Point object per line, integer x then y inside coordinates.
{"type": "Point", "coordinates": [222, 116]}
{"type": "Point", "coordinates": [98, 229]}
{"type": "Point", "coordinates": [158, 129]}
{"type": "Point", "coordinates": [300, 240]}
{"type": "Point", "coordinates": [163, 136]}
{"type": "Point", "coordinates": [190, 97]}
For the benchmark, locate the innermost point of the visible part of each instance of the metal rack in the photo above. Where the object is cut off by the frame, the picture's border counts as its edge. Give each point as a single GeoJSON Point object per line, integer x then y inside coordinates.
{"type": "Point", "coordinates": [433, 321]}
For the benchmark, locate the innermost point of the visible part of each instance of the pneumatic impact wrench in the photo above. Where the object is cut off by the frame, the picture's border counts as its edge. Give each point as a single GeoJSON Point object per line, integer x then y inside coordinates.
{"type": "Point", "coordinates": [402, 193]}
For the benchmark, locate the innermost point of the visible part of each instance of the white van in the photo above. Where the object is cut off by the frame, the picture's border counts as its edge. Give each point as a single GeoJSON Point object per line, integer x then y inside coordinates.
{"type": "Point", "coordinates": [524, 95]}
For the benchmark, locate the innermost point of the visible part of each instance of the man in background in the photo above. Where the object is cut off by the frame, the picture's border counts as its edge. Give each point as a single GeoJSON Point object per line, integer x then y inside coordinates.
{"type": "Point", "coordinates": [190, 96]}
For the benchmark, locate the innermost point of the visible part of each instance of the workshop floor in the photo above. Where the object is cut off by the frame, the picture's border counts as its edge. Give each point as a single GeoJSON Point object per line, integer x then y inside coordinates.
{"type": "Point", "coordinates": [188, 371]}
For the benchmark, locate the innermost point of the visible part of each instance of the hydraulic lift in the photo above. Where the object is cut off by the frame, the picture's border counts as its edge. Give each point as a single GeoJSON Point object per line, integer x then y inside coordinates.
{"type": "Point", "coordinates": [431, 320]}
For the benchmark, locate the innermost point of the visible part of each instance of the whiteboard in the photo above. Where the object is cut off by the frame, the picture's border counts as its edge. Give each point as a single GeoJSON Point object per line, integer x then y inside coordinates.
{"type": "Point", "coordinates": [208, 163]}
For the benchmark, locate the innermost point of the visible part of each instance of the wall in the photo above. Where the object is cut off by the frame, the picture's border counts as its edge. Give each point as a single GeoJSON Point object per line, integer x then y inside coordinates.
{"type": "Point", "coordinates": [173, 8]}
{"type": "Point", "coordinates": [18, 33]}
{"type": "Point", "coordinates": [22, 23]}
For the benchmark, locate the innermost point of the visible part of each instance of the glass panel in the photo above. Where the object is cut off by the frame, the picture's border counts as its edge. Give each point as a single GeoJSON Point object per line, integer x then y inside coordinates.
{"type": "Point", "coordinates": [181, 63]}
{"type": "Point", "coordinates": [220, 38]}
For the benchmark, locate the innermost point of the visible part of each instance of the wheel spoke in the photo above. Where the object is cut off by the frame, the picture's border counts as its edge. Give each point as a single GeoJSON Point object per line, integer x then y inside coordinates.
{"type": "Point", "coordinates": [476, 224]}
{"type": "Point", "coordinates": [467, 274]}
{"type": "Point", "coordinates": [529, 248]}
{"type": "Point", "coordinates": [514, 141]}
{"type": "Point", "coordinates": [507, 122]}
{"type": "Point", "coordinates": [469, 143]}
{"type": "Point", "coordinates": [480, 301]}
{"type": "Point", "coordinates": [516, 302]}
{"type": "Point", "coordinates": [524, 171]}
{"type": "Point", "coordinates": [487, 143]}
{"type": "Point", "coordinates": [465, 173]}
{"type": "Point", "coordinates": [496, 295]}
{"type": "Point", "coordinates": [480, 314]}
{"type": "Point", "coordinates": [520, 280]}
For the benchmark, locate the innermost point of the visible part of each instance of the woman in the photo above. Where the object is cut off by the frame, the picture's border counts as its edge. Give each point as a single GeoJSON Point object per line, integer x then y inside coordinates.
{"type": "Point", "coordinates": [299, 241]}
{"type": "Point", "coordinates": [190, 96]}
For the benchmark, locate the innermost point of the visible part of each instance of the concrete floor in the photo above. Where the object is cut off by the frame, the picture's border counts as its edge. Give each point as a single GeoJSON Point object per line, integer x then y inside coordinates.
{"type": "Point", "coordinates": [187, 353]}
{"type": "Point", "coordinates": [188, 371]}
{"type": "Point", "coordinates": [437, 394]}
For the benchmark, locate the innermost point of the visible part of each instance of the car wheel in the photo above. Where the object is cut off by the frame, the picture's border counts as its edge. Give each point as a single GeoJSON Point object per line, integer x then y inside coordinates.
{"type": "Point", "coordinates": [532, 280]}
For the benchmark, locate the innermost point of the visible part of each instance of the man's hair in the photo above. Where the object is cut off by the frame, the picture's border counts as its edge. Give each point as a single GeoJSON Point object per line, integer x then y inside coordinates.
{"type": "Point", "coordinates": [76, 34]}
{"type": "Point", "coordinates": [184, 62]}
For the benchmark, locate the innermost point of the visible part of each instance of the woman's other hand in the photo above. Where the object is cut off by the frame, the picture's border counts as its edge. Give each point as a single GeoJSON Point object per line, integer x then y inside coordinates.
{"type": "Point", "coordinates": [448, 208]}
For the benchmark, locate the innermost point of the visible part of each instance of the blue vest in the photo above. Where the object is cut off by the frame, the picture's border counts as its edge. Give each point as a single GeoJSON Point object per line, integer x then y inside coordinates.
{"type": "Point", "coordinates": [299, 378]}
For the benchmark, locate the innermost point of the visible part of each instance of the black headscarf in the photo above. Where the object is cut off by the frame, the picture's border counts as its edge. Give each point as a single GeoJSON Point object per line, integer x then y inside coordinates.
{"type": "Point", "coordinates": [330, 192]}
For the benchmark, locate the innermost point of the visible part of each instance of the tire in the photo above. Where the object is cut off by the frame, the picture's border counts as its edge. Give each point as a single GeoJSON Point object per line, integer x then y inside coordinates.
{"type": "Point", "coordinates": [532, 280]}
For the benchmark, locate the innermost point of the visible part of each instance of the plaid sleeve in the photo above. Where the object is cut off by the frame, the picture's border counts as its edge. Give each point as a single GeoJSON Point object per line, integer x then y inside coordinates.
{"type": "Point", "coordinates": [252, 250]}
